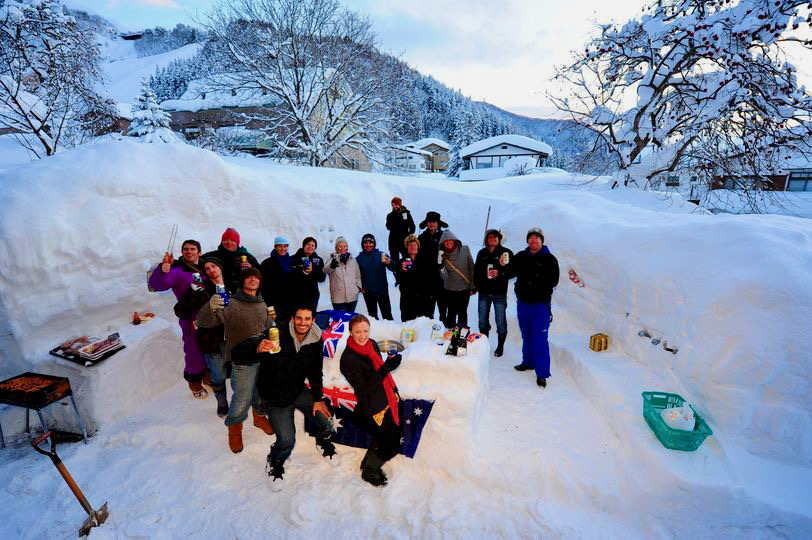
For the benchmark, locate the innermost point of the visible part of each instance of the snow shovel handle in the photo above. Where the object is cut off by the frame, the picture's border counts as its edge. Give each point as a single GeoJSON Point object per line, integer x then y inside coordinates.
{"type": "Point", "coordinates": [74, 487]}
{"type": "Point", "coordinates": [41, 439]}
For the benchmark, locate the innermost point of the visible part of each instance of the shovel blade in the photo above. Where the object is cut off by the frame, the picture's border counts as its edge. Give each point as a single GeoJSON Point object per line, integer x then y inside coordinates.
{"type": "Point", "coordinates": [94, 520]}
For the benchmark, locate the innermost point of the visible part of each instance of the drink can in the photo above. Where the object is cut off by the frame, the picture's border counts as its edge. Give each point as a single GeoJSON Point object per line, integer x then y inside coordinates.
{"type": "Point", "coordinates": [393, 351]}
{"type": "Point", "coordinates": [437, 332]}
{"type": "Point", "coordinates": [306, 262]}
{"type": "Point", "coordinates": [490, 267]}
{"type": "Point", "coordinates": [221, 290]}
{"type": "Point", "coordinates": [272, 313]}
{"type": "Point", "coordinates": [196, 278]}
{"type": "Point", "coordinates": [244, 258]}
{"type": "Point", "coordinates": [273, 336]}
{"type": "Point", "coordinates": [407, 335]}
{"type": "Point", "coordinates": [408, 263]}
{"type": "Point", "coordinates": [383, 258]}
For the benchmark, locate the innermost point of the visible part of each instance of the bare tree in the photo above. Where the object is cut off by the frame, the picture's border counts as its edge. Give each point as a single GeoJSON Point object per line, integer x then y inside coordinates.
{"type": "Point", "coordinates": [325, 85]}
{"type": "Point", "coordinates": [48, 75]}
{"type": "Point", "coordinates": [695, 83]}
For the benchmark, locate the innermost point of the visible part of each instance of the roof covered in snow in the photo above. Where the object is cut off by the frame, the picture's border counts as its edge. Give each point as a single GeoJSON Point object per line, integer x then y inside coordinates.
{"type": "Point", "coordinates": [414, 149]}
{"type": "Point", "coordinates": [422, 143]}
{"type": "Point", "coordinates": [515, 140]}
{"type": "Point", "coordinates": [203, 94]}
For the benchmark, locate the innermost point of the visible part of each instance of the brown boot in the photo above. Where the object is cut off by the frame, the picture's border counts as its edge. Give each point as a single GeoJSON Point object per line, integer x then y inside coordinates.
{"type": "Point", "coordinates": [207, 378]}
{"type": "Point", "coordinates": [235, 437]}
{"type": "Point", "coordinates": [261, 421]}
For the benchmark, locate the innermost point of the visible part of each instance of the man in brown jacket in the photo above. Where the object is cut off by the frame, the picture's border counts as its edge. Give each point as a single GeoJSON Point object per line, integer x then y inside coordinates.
{"type": "Point", "coordinates": [245, 316]}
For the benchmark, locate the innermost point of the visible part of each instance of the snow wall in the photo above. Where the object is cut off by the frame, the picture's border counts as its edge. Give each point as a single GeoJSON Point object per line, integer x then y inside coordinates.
{"type": "Point", "coordinates": [733, 293]}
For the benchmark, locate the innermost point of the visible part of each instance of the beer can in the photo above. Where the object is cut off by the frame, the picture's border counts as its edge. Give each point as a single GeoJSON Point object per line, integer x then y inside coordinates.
{"type": "Point", "coordinates": [383, 258]}
{"type": "Point", "coordinates": [408, 263]}
{"type": "Point", "coordinates": [273, 336]}
{"type": "Point", "coordinates": [196, 278]}
{"type": "Point", "coordinates": [221, 290]}
{"type": "Point", "coordinates": [393, 351]}
{"type": "Point", "coordinates": [244, 258]}
{"type": "Point", "coordinates": [407, 335]}
{"type": "Point", "coordinates": [490, 267]}
{"type": "Point", "coordinates": [306, 262]}
{"type": "Point", "coordinates": [272, 313]}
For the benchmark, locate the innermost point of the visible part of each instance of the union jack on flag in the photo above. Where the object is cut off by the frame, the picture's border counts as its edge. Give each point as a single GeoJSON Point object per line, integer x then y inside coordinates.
{"type": "Point", "coordinates": [341, 397]}
{"type": "Point", "coordinates": [332, 335]}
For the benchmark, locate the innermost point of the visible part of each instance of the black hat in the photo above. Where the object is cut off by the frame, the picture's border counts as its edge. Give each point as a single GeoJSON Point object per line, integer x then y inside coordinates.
{"type": "Point", "coordinates": [494, 232]}
{"type": "Point", "coordinates": [370, 237]}
{"type": "Point", "coordinates": [213, 260]}
{"type": "Point", "coordinates": [433, 216]}
{"type": "Point", "coordinates": [250, 271]}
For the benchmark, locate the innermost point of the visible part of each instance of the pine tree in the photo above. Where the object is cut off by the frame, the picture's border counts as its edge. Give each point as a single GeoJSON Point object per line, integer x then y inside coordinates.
{"type": "Point", "coordinates": [149, 122]}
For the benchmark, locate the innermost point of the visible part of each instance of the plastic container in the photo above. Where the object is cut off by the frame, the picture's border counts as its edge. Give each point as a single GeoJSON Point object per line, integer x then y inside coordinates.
{"type": "Point", "coordinates": [674, 439]}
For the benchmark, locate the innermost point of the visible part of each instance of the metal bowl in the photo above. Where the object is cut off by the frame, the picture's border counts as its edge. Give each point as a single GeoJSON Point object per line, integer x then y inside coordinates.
{"type": "Point", "coordinates": [385, 344]}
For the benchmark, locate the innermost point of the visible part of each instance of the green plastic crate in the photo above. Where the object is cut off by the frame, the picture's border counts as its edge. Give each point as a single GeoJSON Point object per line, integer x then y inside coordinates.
{"type": "Point", "coordinates": [675, 439]}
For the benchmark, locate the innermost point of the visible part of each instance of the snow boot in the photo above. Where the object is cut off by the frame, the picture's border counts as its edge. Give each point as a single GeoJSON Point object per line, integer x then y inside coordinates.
{"type": "Point", "coordinates": [222, 403]}
{"type": "Point", "coordinates": [328, 450]}
{"type": "Point", "coordinates": [371, 470]}
{"type": "Point", "coordinates": [276, 471]}
{"type": "Point", "coordinates": [541, 382]}
{"type": "Point", "coordinates": [500, 346]}
{"type": "Point", "coordinates": [207, 379]}
{"type": "Point", "coordinates": [522, 367]}
{"type": "Point", "coordinates": [235, 437]}
{"type": "Point", "coordinates": [261, 422]}
{"type": "Point", "coordinates": [197, 390]}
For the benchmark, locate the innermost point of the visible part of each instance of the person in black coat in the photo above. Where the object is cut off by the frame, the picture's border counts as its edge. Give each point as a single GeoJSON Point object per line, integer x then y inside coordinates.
{"type": "Point", "coordinates": [400, 224]}
{"type": "Point", "coordinates": [308, 272]}
{"type": "Point", "coordinates": [492, 286]}
{"type": "Point", "coordinates": [377, 395]}
{"type": "Point", "coordinates": [536, 272]}
{"type": "Point", "coordinates": [281, 383]}
{"type": "Point", "coordinates": [210, 340]}
{"type": "Point", "coordinates": [429, 249]}
{"type": "Point", "coordinates": [277, 279]}
{"type": "Point", "coordinates": [230, 254]}
{"type": "Point", "coordinates": [412, 275]}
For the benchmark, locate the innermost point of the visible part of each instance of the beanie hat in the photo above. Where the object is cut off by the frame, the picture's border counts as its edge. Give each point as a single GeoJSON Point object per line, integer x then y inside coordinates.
{"type": "Point", "coordinates": [231, 234]}
{"type": "Point", "coordinates": [309, 239]}
{"type": "Point", "coordinates": [537, 231]}
{"type": "Point", "coordinates": [339, 240]}
{"type": "Point", "coordinates": [397, 201]}
{"type": "Point", "coordinates": [213, 260]}
{"type": "Point", "coordinates": [281, 241]}
{"type": "Point", "coordinates": [248, 272]}
{"type": "Point", "coordinates": [370, 237]}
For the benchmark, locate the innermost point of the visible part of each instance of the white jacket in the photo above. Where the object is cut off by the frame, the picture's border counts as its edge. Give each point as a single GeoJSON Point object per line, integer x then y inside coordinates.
{"type": "Point", "coordinates": [345, 281]}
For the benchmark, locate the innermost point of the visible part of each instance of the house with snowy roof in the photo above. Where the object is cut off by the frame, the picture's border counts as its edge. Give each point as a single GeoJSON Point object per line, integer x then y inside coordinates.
{"type": "Point", "coordinates": [492, 157]}
{"type": "Point", "coordinates": [410, 157]}
{"type": "Point", "coordinates": [438, 150]}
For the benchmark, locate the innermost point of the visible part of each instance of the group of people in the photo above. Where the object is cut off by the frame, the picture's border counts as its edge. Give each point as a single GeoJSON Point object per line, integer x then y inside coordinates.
{"type": "Point", "coordinates": [227, 302]}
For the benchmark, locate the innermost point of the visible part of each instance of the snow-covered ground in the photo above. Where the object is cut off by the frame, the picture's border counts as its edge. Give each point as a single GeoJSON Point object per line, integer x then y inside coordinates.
{"type": "Point", "coordinates": [732, 293]}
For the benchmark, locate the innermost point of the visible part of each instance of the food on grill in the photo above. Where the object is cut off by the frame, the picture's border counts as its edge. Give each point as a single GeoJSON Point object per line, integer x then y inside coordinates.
{"type": "Point", "coordinates": [25, 384]}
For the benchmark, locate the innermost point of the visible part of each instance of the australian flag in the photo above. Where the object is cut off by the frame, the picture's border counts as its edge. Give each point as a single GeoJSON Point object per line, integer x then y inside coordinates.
{"type": "Point", "coordinates": [334, 324]}
{"type": "Point", "coordinates": [414, 413]}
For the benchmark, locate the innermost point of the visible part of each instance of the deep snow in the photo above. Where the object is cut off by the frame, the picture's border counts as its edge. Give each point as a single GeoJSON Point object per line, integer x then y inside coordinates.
{"type": "Point", "coordinates": [733, 293]}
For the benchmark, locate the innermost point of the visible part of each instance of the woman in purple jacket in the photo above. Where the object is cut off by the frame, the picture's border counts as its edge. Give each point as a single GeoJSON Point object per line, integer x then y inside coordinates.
{"type": "Point", "coordinates": [177, 275]}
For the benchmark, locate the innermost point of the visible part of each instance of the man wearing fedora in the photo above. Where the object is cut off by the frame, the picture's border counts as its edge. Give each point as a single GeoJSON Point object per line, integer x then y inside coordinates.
{"type": "Point", "coordinates": [428, 253]}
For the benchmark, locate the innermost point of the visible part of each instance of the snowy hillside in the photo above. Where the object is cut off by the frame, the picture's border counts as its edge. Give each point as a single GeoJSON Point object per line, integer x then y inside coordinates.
{"type": "Point", "coordinates": [733, 295]}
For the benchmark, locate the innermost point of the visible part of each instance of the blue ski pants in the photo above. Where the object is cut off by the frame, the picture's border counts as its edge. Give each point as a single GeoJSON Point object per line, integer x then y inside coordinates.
{"type": "Point", "coordinates": [534, 322]}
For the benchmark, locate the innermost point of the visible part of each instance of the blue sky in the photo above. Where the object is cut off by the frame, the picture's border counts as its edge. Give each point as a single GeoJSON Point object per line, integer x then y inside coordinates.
{"type": "Point", "coordinates": [500, 51]}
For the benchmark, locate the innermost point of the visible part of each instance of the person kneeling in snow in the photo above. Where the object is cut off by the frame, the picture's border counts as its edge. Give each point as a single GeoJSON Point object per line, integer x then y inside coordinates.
{"type": "Point", "coordinates": [371, 379]}
{"type": "Point", "coordinates": [243, 317]}
{"type": "Point", "coordinates": [281, 383]}
{"type": "Point", "coordinates": [536, 273]}
{"type": "Point", "coordinates": [178, 276]}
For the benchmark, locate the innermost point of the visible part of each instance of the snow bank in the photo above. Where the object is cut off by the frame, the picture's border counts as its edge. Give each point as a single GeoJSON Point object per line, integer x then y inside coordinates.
{"type": "Point", "coordinates": [732, 293]}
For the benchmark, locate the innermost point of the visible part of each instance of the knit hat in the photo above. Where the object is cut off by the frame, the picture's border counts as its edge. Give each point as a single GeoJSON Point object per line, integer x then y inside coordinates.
{"type": "Point", "coordinates": [281, 241]}
{"type": "Point", "coordinates": [248, 272]}
{"type": "Point", "coordinates": [409, 239]}
{"type": "Point", "coordinates": [397, 201]}
{"type": "Point", "coordinates": [309, 239]}
{"type": "Point", "coordinates": [433, 216]}
{"type": "Point", "coordinates": [370, 237]}
{"type": "Point", "coordinates": [231, 234]}
{"type": "Point", "coordinates": [494, 232]}
{"type": "Point", "coordinates": [339, 240]}
{"type": "Point", "coordinates": [213, 260]}
{"type": "Point", "coordinates": [537, 231]}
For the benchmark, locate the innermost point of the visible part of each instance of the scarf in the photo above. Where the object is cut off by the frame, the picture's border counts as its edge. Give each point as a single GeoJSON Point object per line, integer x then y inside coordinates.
{"type": "Point", "coordinates": [285, 261]}
{"type": "Point", "coordinates": [368, 351]}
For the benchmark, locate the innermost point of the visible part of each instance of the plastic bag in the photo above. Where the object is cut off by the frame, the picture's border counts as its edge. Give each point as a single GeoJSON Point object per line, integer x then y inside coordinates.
{"type": "Point", "coordinates": [680, 417]}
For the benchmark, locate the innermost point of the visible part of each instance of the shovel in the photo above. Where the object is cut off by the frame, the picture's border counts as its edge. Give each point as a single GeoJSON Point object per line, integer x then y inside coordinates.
{"type": "Point", "coordinates": [94, 517]}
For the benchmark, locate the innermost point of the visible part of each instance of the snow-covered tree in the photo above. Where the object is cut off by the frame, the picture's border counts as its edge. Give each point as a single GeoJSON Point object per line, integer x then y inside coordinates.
{"type": "Point", "coordinates": [326, 84]}
{"type": "Point", "coordinates": [149, 122]}
{"type": "Point", "coordinates": [696, 83]}
{"type": "Point", "coordinates": [49, 72]}
{"type": "Point", "coordinates": [466, 131]}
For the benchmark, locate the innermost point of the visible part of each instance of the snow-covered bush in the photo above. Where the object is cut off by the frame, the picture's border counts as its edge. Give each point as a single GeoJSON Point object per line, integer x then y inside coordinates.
{"type": "Point", "coordinates": [519, 165]}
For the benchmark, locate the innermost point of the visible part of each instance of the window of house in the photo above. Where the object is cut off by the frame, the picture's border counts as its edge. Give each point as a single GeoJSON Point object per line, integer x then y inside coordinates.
{"type": "Point", "coordinates": [504, 147]}
{"type": "Point", "coordinates": [800, 180]}
{"type": "Point", "coordinates": [672, 181]}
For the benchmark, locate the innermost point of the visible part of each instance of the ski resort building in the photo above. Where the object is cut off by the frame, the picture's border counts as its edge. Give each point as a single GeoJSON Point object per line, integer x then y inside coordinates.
{"type": "Point", "coordinates": [486, 159]}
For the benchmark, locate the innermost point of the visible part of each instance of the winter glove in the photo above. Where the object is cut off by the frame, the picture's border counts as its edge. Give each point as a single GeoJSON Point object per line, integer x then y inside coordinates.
{"type": "Point", "coordinates": [392, 362]}
{"type": "Point", "coordinates": [216, 302]}
{"type": "Point", "coordinates": [344, 257]}
{"type": "Point", "coordinates": [334, 263]}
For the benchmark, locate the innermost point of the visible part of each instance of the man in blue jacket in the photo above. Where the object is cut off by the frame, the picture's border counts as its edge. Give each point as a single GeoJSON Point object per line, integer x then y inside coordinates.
{"type": "Point", "coordinates": [373, 265]}
{"type": "Point", "coordinates": [536, 273]}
